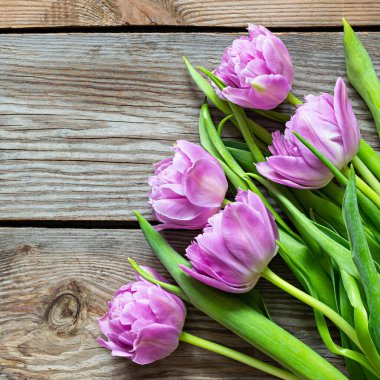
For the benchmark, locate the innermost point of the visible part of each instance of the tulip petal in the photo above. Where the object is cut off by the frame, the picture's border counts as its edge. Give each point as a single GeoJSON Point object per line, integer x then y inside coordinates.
{"type": "Point", "coordinates": [268, 91]}
{"type": "Point", "coordinates": [218, 284]}
{"type": "Point", "coordinates": [205, 184]}
{"type": "Point", "coordinates": [155, 342]}
{"type": "Point", "coordinates": [193, 151]}
{"type": "Point", "coordinates": [239, 96]}
{"type": "Point", "coordinates": [346, 120]}
{"type": "Point", "coordinates": [277, 58]}
{"type": "Point", "coordinates": [176, 209]}
{"type": "Point", "coordinates": [298, 183]}
{"type": "Point", "coordinates": [248, 236]}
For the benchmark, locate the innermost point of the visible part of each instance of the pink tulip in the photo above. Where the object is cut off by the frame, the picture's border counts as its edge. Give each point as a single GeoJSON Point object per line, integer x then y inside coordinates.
{"type": "Point", "coordinates": [188, 188]}
{"type": "Point", "coordinates": [143, 322]}
{"type": "Point", "coordinates": [330, 125]}
{"type": "Point", "coordinates": [236, 246]}
{"type": "Point", "coordinates": [257, 70]}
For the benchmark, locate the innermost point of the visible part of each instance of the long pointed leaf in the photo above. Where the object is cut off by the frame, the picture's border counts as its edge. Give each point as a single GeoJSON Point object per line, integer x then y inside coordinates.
{"type": "Point", "coordinates": [362, 258]}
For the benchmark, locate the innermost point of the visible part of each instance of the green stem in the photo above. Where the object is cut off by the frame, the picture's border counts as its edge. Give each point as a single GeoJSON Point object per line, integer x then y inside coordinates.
{"type": "Point", "coordinates": [259, 131]}
{"type": "Point", "coordinates": [221, 124]}
{"type": "Point", "coordinates": [176, 290]}
{"type": "Point", "coordinates": [370, 158]}
{"type": "Point", "coordinates": [247, 135]}
{"type": "Point", "coordinates": [235, 355]}
{"type": "Point", "coordinates": [364, 188]}
{"type": "Point", "coordinates": [367, 205]}
{"type": "Point", "coordinates": [273, 115]}
{"type": "Point", "coordinates": [314, 303]}
{"type": "Point", "coordinates": [366, 174]}
{"type": "Point", "coordinates": [293, 100]}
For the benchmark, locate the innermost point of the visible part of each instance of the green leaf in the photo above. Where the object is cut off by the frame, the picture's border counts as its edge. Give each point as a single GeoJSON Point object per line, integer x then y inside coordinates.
{"type": "Point", "coordinates": [362, 258]}
{"type": "Point", "coordinates": [204, 117]}
{"type": "Point", "coordinates": [242, 121]}
{"type": "Point", "coordinates": [176, 290]}
{"type": "Point", "coordinates": [216, 140]}
{"type": "Point", "coordinates": [236, 145]}
{"type": "Point", "coordinates": [368, 207]}
{"type": "Point", "coordinates": [206, 87]}
{"type": "Point", "coordinates": [244, 159]}
{"type": "Point", "coordinates": [340, 254]}
{"type": "Point", "coordinates": [326, 209]}
{"type": "Point", "coordinates": [356, 371]}
{"type": "Point", "coordinates": [240, 318]}
{"type": "Point", "coordinates": [303, 263]}
{"type": "Point", "coordinates": [361, 73]}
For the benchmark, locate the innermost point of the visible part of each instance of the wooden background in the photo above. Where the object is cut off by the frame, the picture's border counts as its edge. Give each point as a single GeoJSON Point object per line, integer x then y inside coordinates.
{"type": "Point", "coordinates": [92, 93]}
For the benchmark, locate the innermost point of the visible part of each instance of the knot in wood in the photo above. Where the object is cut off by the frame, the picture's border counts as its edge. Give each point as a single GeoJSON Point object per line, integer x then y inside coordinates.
{"type": "Point", "coordinates": [64, 312]}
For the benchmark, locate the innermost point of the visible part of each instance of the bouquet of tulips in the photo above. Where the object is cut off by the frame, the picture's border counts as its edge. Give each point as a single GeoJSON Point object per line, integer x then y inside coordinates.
{"type": "Point", "coordinates": [324, 221]}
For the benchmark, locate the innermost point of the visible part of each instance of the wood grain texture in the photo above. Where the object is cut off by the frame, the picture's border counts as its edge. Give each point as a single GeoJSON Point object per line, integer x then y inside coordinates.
{"type": "Point", "coordinates": [276, 13]}
{"type": "Point", "coordinates": [83, 117]}
{"type": "Point", "coordinates": [54, 284]}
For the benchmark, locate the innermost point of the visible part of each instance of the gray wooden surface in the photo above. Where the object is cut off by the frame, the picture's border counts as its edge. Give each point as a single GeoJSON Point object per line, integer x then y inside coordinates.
{"type": "Point", "coordinates": [84, 116]}
{"type": "Point", "coordinates": [54, 284]}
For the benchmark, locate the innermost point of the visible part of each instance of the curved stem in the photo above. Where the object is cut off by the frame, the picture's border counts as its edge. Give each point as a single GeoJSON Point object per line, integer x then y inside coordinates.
{"type": "Point", "coordinates": [366, 174]}
{"type": "Point", "coordinates": [221, 124]}
{"type": "Point", "coordinates": [293, 100]}
{"type": "Point", "coordinates": [314, 303]}
{"type": "Point", "coordinates": [364, 188]}
{"type": "Point", "coordinates": [235, 355]}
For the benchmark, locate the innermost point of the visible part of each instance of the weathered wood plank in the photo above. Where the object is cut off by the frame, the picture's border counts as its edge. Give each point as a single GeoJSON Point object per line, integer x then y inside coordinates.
{"type": "Point", "coordinates": [278, 13]}
{"type": "Point", "coordinates": [84, 116]}
{"type": "Point", "coordinates": [54, 284]}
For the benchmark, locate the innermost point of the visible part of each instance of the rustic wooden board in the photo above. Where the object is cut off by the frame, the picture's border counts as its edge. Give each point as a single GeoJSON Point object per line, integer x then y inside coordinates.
{"type": "Point", "coordinates": [278, 13]}
{"type": "Point", "coordinates": [83, 117]}
{"type": "Point", "coordinates": [54, 284]}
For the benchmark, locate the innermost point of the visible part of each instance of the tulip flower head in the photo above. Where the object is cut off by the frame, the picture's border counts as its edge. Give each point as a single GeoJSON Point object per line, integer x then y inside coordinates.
{"type": "Point", "coordinates": [143, 322]}
{"type": "Point", "coordinates": [236, 246]}
{"type": "Point", "coordinates": [326, 122]}
{"type": "Point", "coordinates": [188, 188]}
{"type": "Point", "coordinates": [257, 70]}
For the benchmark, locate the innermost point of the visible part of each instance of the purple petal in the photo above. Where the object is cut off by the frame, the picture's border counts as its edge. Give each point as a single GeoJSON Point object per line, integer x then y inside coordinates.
{"type": "Point", "coordinates": [205, 184]}
{"type": "Point", "coordinates": [154, 343]}
{"type": "Point", "coordinates": [170, 210]}
{"type": "Point", "coordinates": [218, 284]}
{"type": "Point", "coordinates": [277, 58]}
{"type": "Point", "coordinates": [239, 96]}
{"type": "Point", "coordinates": [249, 235]}
{"type": "Point", "coordinates": [274, 90]}
{"type": "Point", "coordinates": [346, 120]}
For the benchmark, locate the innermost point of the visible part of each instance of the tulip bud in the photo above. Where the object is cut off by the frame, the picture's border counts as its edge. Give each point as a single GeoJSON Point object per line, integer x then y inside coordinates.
{"type": "Point", "coordinates": [257, 70]}
{"type": "Point", "coordinates": [326, 122]}
{"type": "Point", "coordinates": [143, 322]}
{"type": "Point", "coordinates": [188, 188]}
{"type": "Point", "coordinates": [236, 246]}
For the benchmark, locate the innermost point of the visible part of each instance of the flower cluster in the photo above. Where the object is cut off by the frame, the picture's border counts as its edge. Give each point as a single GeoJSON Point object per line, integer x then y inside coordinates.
{"type": "Point", "coordinates": [240, 237]}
